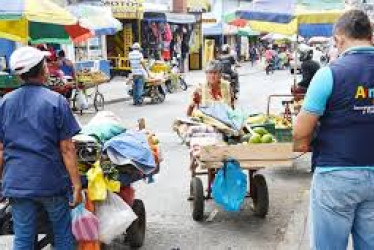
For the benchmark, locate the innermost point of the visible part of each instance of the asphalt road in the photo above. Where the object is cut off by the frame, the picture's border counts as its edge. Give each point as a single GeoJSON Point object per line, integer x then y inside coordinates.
{"type": "Point", "coordinates": [169, 221]}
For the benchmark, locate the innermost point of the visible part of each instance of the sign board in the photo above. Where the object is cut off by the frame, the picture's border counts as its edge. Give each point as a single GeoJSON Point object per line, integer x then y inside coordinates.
{"type": "Point", "coordinates": [125, 9]}
{"type": "Point", "coordinates": [199, 6]}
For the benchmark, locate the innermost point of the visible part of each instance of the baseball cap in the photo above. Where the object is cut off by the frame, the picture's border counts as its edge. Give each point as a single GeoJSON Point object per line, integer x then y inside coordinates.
{"type": "Point", "coordinates": [25, 58]}
{"type": "Point", "coordinates": [136, 46]}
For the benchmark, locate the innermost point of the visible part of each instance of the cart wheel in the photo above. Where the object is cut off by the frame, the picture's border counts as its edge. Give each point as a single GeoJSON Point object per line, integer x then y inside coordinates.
{"type": "Point", "coordinates": [197, 194]}
{"type": "Point", "coordinates": [136, 232]}
{"type": "Point", "coordinates": [183, 84]}
{"type": "Point", "coordinates": [260, 196]}
{"type": "Point", "coordinates": [99, 101]}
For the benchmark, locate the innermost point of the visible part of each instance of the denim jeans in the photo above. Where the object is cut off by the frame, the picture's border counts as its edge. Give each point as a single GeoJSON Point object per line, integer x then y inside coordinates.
{"type": "Point", "coordinates": [138, 89]}
{"type": "Point", "coordinates": [342, 203]}
{"type": "Point", "coordinates": [24, 213]}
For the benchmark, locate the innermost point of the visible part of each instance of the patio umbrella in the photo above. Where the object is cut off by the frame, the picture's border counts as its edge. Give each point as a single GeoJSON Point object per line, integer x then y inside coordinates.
{"type": "Point", "coordinates": [98, 19]}
{"type": "Point", "coordinates": [39, 21]}
{"type": "Point", "coordinates": [289, 17]}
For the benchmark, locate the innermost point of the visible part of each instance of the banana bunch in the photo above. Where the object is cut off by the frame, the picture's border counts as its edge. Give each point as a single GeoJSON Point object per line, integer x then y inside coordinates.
{"type": "Point", "coordinates": [280, 122]}
{"type": "Point", "coordinates": [257, 119]}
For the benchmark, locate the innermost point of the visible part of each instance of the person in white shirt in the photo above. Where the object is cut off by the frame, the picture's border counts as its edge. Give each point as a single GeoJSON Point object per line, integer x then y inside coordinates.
{"type": "Point", "coordinates": [138, 72]}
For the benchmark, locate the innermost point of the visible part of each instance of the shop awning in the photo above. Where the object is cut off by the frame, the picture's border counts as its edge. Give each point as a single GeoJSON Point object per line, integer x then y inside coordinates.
{"type": "Point", "coordinates": [217, 30]}
{"type": "Point", "coordinates": [154, 17]}
{"type": "Point", "coordinates": [180, 18]}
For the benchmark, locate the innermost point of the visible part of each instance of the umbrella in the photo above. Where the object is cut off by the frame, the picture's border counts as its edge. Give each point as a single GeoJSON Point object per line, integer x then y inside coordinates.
{"type": "Point", "coordinates": [98, 19]}
{"type": "Point", "coordinates": [39, 21]}
{"type": "Point", "coordinates": [319, 40]}
{"type": "Point", "coordinates": [289, 17]}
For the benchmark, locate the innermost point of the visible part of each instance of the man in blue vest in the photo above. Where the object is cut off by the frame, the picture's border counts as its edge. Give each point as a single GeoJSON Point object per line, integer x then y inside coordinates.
{"type": "Point", "coordinates": [37, 155]}
{"type": "Point", "coordinates": [341, 98]}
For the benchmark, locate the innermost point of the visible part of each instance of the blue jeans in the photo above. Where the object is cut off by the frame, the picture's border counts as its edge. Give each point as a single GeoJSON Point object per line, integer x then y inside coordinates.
{"type": "Point", "coordinates": [342, 203]}
{"type": "Point", "coordinates": [24, 213]}
{"type": "Point", "coordinates": [138, 89]}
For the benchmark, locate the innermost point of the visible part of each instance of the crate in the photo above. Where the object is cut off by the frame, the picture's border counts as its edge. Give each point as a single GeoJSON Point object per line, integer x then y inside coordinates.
{"type": "Point", "coordinates": [9, 82]}
{"type": "Point", "coordinates": [283, 134]}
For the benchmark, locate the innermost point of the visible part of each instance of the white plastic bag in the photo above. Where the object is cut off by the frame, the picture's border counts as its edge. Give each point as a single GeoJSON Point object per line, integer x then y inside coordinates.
{"type": "Point", "coordinates": [115, 216]}
{"type": "Point", "coordinates": [82, 103]}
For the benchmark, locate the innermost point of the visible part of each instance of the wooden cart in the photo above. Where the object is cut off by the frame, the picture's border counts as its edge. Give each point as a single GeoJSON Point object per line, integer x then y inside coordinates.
{"type": "Point", "coordinates": [252, 158]}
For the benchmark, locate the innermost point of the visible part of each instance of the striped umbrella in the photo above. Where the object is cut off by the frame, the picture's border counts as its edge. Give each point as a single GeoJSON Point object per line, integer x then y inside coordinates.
{"type": "Point", "coordinates": [98, 19]}
{"type": "Point", "coordinates": [304, 17]}
{"type": "Point", "coordinates": [39, 21]}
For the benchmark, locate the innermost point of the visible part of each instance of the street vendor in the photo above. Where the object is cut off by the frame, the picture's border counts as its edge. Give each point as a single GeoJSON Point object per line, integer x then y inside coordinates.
{"type": "Point", "coordinates": [37, 154]}
{"type": "Point", "coordinates": [215, 89]}
{"type": "Point", "coordinates": [139, 72]}
{"type": "Point", "coordinates": [340, 98]}
{"type": "Point", "coordinates": [65, 65]}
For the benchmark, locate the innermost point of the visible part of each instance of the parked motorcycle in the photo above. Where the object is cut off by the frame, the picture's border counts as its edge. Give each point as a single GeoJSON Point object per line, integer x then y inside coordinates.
{"type": "Point", "coordinates": [270, 67]}
{"type": "Point", "coordinates": [174, 82]}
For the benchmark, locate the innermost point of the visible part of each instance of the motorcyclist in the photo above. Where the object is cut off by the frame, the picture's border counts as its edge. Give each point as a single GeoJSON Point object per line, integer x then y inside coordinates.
{"type": "Point", "coordinates": [228, 61]}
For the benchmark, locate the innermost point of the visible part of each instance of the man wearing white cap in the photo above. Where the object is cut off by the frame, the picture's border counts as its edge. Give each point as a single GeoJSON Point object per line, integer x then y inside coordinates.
{"type": "Point", "coordinates": [138, 73]}
{"type": "Point", "coordinates": [37, 155]}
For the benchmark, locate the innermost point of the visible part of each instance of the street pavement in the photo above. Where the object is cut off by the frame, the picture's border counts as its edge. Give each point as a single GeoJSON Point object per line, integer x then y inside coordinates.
{"type": "Point", "coordinates": [169, 221]}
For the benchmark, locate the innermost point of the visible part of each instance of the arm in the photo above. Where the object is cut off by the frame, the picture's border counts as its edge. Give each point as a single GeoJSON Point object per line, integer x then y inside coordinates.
{"type": "Point", "coordinates": [67, 149]}
{"type": "Point", "coordinates": [68, 127]}
{"type": "Point", "coordinates": [1, 159]}
{"type": "Point", "coordinates": [314, 106]}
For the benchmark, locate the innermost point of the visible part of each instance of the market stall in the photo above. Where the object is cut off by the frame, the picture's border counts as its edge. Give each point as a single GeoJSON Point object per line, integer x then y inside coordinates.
{"type": "Point", "coordinates": [129, 13]}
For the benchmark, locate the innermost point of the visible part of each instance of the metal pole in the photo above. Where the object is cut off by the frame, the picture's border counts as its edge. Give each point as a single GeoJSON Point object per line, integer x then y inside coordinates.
{"type": "Point", "coordinates": [222, 22]}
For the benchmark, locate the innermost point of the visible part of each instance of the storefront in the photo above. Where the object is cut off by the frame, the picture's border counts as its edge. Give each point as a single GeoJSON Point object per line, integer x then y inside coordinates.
{"type": "Point", "coordinates": [197, 8]}
{"type": "Point", "coordinates": [129, 13]}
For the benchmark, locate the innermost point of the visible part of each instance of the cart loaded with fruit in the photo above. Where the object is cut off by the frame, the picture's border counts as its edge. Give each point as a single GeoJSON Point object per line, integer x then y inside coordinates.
{"type": "Point", "coordinates": [222, 143]}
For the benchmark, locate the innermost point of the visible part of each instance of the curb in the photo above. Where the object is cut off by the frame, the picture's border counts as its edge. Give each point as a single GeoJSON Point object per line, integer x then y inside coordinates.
{"type": "Point", "coordinates": [297, 236]}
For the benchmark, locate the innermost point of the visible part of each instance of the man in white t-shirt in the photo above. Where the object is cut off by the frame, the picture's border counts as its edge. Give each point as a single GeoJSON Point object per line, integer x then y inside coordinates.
{"type": "Point", "coordinates": [138, 72]}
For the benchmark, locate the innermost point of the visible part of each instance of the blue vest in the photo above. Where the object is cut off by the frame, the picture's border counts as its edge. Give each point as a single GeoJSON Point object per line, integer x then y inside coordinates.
{"type": "Point", "coordinates": [346, 135]}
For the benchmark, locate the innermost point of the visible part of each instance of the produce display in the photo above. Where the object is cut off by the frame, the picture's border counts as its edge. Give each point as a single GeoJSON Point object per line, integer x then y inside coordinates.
{"type": "Point", "coordinates": [261, 119]}
{"type": "Point", "coordinates": [91, 78]}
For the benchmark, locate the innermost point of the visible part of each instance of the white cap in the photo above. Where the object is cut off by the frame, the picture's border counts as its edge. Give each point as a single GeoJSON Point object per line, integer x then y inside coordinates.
{"type": "Point", "coordinates": [25, 58]}
{"type": "Point", "coordinates": [136, 46]}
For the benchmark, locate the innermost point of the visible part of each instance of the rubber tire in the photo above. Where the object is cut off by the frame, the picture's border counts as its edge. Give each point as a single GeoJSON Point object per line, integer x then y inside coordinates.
{"type": "Point", "coordinates": [260, 196]}
{"type": "Point", "coordinates": [135, 234]}
{"type": "Point", "coordinates": [182, 83]}
{"type": "Point", "coordinates": [197, 192]}
{"type": "Point", "coordinates": [169, 86]}
{"type": "Point", "coordinates": [99, 102]}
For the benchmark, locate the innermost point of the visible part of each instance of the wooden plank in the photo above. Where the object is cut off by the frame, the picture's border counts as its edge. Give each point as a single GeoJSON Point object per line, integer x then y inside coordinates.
{"type": "Point", "coordinates": [252, 165]}
{"type": "Point", "coordinates": [274, 152]}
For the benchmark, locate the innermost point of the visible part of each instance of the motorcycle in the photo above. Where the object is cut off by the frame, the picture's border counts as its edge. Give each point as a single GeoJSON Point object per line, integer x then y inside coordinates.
{"type": "Point", "coordinates": [174, 81]}
{"type": "Point", "coordinates": [270, 67]}
{"type": "Point", "coordinates": [153, 88]}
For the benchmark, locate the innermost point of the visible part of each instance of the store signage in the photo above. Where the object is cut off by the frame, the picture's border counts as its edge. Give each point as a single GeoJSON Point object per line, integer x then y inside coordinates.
{"type": "Point", "coordinates": [125, 9]}
{"type": "Point", "coordinates": [199, 6]}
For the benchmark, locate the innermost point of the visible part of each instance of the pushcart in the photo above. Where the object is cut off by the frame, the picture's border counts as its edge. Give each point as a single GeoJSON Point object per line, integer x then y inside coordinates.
{"type": "Point", "coordinates": [153, 89]}
{"type": "Point", "coordinates": [252, 158]}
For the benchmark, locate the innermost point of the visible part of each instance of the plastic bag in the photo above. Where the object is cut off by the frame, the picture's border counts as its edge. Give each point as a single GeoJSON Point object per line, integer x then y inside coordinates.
{"type": "Point", "coordinates": [115, 216]}
{"type": "Point", "coordinates": [85, 225]}
{"type": "Point", "coordinates": [97, 187]}
{"type": "Point", "coordinates": [82, 103]}
{"type": "Point", "coordinates": [230, 186]}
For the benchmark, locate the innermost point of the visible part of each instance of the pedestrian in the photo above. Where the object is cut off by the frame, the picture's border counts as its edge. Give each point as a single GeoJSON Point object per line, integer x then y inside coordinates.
{"type": "Point", "coordinates": [340, 99]}
{"type": "Point", "coordinates": [252, 55]}
{"type": "Point", "coordinates": [65, 65]}
{"type": "Point", "coordinates": [37, 154]}
{"type": "Point", "coordinates": [138, 73]}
